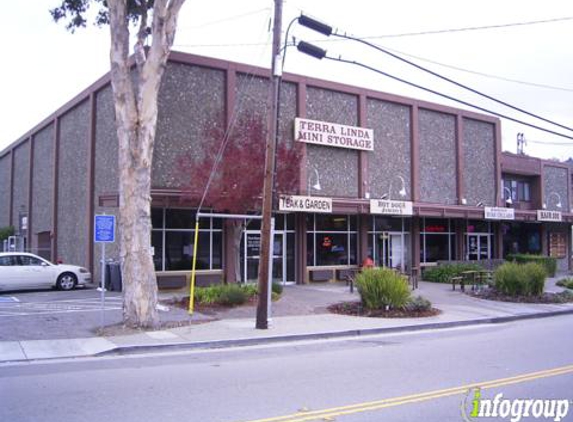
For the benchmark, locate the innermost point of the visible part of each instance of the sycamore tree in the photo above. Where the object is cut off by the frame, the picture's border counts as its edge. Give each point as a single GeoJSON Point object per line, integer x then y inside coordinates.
{"type": "Point", "coordinates": [135, 80]}
{"type": "Point", "coordinates": [237, 182]}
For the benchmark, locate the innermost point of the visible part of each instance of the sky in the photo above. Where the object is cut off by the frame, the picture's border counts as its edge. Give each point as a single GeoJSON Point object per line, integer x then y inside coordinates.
{"type": "Point", "coordinates": [528, 65]}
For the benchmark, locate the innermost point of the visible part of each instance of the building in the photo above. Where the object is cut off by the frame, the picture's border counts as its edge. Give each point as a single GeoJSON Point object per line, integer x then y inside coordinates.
{"type": "Point", "coordinates": [406, 181]}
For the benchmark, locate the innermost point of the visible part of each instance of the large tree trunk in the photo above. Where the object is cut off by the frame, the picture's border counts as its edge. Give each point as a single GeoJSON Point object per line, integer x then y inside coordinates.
{"type": "Point", "coordinates": [136, 119]}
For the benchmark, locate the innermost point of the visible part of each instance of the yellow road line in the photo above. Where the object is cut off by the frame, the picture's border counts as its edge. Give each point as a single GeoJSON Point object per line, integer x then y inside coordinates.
{"type": "Point", "coordinates": [414, 398]}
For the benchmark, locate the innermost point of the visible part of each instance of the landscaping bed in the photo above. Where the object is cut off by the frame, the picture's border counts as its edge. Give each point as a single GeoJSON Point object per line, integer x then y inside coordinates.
{"type": "Point", "coordinates": [356, 309]}
{"type": "Point", "coordinates": [546, 298]}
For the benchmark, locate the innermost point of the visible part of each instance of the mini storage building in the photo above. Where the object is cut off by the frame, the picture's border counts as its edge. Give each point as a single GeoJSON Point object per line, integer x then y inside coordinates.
{"type": "Point", "coordinates": [407, 182]}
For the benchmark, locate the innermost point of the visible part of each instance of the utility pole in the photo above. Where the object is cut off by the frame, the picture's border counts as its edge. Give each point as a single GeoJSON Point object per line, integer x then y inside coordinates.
{"type": "Point", "coordinates": [266, 232]}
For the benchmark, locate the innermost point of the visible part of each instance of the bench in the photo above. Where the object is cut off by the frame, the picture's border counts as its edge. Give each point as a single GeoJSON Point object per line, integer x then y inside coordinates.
{"type": "Point", "coordinates": [320, 275]}
{"type": "Point", "coordinates": [458, 280]}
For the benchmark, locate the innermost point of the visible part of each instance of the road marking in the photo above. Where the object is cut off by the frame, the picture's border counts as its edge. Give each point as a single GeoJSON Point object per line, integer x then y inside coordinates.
{"type": "Point", "coordinates": [55, 307]}
{"type": "Point", "coordinates": [327, 414]}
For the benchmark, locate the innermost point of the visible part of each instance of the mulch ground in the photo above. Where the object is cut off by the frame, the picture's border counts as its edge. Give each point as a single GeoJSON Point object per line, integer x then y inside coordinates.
{"type": "Point", "coordinates": [545, 298]}
{"type": "Point", "coordinates": [356, 309]}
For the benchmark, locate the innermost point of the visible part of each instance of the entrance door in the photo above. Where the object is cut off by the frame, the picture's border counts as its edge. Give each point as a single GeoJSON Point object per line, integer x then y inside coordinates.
{"type": "Point", "coordinates": [390, 250]}
{"type": "Point", "coordinates": [478, 247]}
{"type": "Point", "coordinates": [252, 256]}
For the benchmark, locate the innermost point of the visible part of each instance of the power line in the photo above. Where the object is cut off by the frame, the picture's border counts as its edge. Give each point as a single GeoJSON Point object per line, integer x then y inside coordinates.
{"type": "Point", "coordinates": [487, 75]}
{"type": "Point", "coordinates": [230, 18]}
{"type": "Point", "coordinates": [550, 143]}
{"type": "Point", "coordinates": [458, 84]}
{"type": "Point", "coordinates": [470, 28]}
{"type": "Point", "coordinates": [449, 97]}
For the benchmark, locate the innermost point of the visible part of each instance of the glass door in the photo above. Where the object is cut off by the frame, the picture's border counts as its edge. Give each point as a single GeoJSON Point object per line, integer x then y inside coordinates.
{"type": "Point", "coordinates": [252, 256]}
{"type": "Point", "coordinates": [478, 247]}
{"type": "Point", "coordinates": [390, 250]}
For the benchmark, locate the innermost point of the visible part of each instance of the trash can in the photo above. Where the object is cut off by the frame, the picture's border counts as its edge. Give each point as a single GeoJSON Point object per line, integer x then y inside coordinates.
{"type": "Point", "coordinates": [113, 279]}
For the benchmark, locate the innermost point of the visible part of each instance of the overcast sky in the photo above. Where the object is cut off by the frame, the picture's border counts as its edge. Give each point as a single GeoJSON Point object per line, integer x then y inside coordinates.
{"type": "Point", "coordinates": [44, 66]}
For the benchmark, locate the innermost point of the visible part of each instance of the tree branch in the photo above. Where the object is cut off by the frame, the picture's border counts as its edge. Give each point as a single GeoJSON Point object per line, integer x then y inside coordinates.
{"type": "Point", "coordinates": [142, 34]}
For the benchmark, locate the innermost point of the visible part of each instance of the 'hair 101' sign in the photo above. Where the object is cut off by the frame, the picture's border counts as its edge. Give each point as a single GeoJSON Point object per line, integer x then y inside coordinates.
{"type": "Point", "coordinates": [333, 135]}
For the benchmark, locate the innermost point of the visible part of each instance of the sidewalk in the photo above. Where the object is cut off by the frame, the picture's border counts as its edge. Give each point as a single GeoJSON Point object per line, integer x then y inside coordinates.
{"type": "Point", "coordinates": [300, 315]}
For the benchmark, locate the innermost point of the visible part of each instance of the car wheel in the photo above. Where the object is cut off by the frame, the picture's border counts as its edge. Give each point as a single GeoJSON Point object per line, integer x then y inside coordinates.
{"type": "Point", "coordinates": [66, 281]}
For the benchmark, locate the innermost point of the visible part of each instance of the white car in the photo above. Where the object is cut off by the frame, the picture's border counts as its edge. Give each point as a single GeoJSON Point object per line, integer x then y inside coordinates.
{"type": "Point", "coordinates": [20, 270]}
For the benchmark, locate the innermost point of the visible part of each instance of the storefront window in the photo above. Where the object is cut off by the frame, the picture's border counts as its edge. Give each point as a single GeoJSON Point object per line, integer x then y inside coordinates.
{"type": "Point", "coordinates": [437, 240]}
{"type": "Point", "coordinates": [173, 235]}
{"type": "Point", "coordinates": [331, 240]}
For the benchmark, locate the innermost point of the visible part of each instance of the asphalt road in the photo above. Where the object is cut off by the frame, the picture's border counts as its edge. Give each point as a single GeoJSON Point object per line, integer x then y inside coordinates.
{"type": "Point", "coordinates": [402, 377]}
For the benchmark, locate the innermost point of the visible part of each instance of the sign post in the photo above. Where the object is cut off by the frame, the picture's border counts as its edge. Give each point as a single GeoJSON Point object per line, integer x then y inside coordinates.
{"type": "Point", "coordinates": [104, 232]}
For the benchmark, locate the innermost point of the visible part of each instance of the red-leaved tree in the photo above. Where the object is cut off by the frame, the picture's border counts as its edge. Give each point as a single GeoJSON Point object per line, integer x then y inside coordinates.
{"type": "Point", "coordinates": [236, 186]}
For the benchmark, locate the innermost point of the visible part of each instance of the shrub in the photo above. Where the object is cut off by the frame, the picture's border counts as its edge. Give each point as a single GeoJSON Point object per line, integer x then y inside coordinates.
{"type": "Point", "coordinates": [208, 295]}
{"type": "Point", "coordinates": [443, 273]}
{"type": "Point", "coordinates": [514, 280]}
{"type": "Point", "coordinates": [548, 262]}
{"type": "Point", "coordinates": [418, 304]}
{"type": "Point", "coordinates": [225, 294]}
{"type": "Point", "coordinates": [566, 282]}
{"type": "Point", "coordinates": [6, 232]}
{"type": "Point", "coordinates": [536, 275]}
{"type": "Point", "coordinates": [380, 288]}
{"type": "Point", "coordinates": [277, 288]}
{"type": "Point", "coordinates": [233, 295]}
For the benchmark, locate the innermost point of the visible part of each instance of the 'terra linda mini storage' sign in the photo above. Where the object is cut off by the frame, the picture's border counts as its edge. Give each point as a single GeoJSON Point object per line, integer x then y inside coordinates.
{"type": "Point", "coordinates": [305, 204]}
{"type": "Point", "coordinates": [333, 135]}
{"type": "Point", "coordinates": [383, 206]}
{"type": "Point", "coordinates": [543, 215]}
{"type": "Point", "coordinates": [498, 213]}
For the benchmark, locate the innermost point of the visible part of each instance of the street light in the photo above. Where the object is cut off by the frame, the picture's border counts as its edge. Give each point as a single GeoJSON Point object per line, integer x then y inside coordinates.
{"type": "Point", "coordinates": [316, 186]}
{"type": "Point", "coordinates": [508, 200]}
{"type": "Point", "coordinates": [558, 204]}
{"type": "Point", "coordinates": [402, 191]}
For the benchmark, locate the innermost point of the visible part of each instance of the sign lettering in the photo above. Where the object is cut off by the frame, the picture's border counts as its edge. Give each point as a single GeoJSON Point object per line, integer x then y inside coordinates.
{"type": "Point", "coordinates": [498, 213]}
{"type": "Point", "coordinates": [305, 204]}
{"type": "Point", "coordinates": [543, 215]}
{"type": "Point", "coordinates": [333, 135]}
{"type": "Point", "coordinates": [388, 207]}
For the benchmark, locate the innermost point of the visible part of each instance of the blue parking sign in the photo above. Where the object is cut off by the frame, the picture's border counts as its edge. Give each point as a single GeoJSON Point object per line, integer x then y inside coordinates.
{"type": "Point", "coordinates": [104, 229]}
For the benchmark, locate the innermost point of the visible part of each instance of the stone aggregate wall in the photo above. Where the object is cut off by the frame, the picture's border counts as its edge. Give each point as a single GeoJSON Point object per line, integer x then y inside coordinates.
{"type": "Point", "coordinates": [479, 162]}
{"type": "Point", "coordinates": [21, 182]}
{"type": "Point", "coordinates": [337, 167]}
{"type": "Point", "coordinates": [43, 183]}
{"type": "Point", "coordinates": [72, 233]}
{"type": "Point", "coordinates": [5, 190]}
{"type": "Point", "coordinates": [391, 157]}
{"type": "Point", "coordinates": [555, 188]}
{"type": "Point", "coordinates": [437, 135]}
{"type": "Point", "coordinates": [191, 106]}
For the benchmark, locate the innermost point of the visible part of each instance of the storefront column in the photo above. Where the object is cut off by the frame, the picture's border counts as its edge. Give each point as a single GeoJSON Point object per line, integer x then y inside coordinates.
{"type": "Point", "coordinates": [363, 224]}
{"type": "Point", "coordinates": [229, 253]}
{"type": "Point", "coordinates": [415, 241]}
{"type": "Point", "coordinates": [301, 248]}
{"type": "Point", "coordinates": [460, 227]}
{"type": "Point", "coordinates": [544, 240]}
{"type": "Point", "coordinates": [497, 240]}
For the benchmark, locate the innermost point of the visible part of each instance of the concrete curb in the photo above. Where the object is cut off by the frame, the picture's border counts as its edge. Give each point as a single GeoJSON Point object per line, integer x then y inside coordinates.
{"type": "Point", "coordinates": [220, 344]}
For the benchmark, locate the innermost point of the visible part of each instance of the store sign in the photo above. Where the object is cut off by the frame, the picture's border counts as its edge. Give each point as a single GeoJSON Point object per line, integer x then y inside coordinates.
{"type": "Point", "coordinates": [388, 207]}
{"type": "Point", "coordinates": [498, 213]}
{"type": "Point", "coordinates": [543, 215]}
{"type": "Point", "coordinates": [305, 204]}
{"type": "Point", "coordinates": [333, 135]}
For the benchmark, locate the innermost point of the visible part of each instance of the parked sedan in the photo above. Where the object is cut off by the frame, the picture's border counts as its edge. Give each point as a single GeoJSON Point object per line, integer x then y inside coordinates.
{"type": "Point", "coordinates": [20, 270]}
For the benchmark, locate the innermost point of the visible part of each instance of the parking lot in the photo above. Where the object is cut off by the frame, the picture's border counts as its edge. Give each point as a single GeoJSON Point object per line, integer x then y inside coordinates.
{"type": "Point", "coordinates": [40, 314]}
